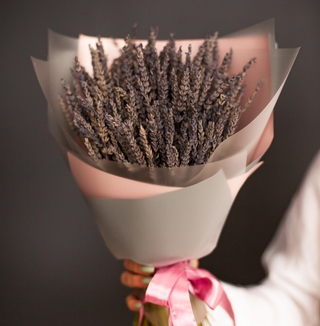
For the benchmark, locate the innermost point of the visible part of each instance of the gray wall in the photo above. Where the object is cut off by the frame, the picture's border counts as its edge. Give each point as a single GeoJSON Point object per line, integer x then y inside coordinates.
{"type": "Point", "coordinates": [54, 267]}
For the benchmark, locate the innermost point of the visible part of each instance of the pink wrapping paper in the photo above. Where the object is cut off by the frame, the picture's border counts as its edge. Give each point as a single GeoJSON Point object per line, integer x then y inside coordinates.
{"type": "Point", "coordinates": [96, 183]}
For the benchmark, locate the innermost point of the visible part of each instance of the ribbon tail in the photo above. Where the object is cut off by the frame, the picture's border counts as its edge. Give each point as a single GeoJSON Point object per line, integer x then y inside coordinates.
{"type": "Point", "coordinates": [226, 305]}
{"type": "Point", "coordinates": [209, 289]}
{"type": "Point", "coordinates": [141, 313]}
{"type": "Point", "coordinates": [180, 309]}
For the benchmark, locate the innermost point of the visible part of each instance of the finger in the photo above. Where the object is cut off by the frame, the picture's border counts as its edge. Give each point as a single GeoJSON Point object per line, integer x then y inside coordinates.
{"type": "Point", "coordinates": [134, 280]}
{"type": "Point", "coordinates": [137, 268]}
{"type": "Point", "coordinates": [194, 263]}
{"type": "Point", "coordinates": [133, 303]}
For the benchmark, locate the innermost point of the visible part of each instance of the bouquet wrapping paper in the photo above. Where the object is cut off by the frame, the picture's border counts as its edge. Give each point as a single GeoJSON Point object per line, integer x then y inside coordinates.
{"type": "Point", "coordinates": [167, 216]}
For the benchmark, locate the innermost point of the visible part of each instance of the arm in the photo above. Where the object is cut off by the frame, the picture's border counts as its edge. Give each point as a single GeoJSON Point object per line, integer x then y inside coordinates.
{"type": "Point", "coordinates": [290, 295]}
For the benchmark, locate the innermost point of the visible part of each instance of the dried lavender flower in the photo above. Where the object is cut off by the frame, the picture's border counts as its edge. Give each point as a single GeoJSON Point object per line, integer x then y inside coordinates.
{"type": "Point", "coordinates": [156, 109]}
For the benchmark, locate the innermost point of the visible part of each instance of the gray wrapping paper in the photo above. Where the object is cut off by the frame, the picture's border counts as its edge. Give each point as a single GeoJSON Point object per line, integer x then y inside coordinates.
{"type": "Point", "coordinates": [165, 229]}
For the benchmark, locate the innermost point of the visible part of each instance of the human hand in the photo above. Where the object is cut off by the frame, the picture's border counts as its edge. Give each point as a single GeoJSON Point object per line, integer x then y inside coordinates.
{"type": "Point", "coordinates": [138, 277]}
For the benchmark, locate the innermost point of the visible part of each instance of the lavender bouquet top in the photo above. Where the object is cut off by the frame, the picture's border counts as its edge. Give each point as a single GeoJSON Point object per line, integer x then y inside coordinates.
{"type": "Point", "coordinates": [163, 109]}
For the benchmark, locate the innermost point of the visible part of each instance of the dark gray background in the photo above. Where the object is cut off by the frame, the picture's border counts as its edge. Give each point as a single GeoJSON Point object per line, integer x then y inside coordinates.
{"type": "Point", "coordinates": [54, 266]}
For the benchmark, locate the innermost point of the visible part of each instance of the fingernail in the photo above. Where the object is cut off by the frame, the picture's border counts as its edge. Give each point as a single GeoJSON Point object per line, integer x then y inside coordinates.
{"type": "Point", "coordinates": [137, 305]}
{"type": "Point", "coordinates": [146, 280]}
{"type": "Point", "coordinates": [147, 269]}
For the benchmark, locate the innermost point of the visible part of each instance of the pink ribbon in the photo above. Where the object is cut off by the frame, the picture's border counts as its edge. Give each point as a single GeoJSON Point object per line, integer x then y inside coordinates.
{"type": "Point", "coordinates": [170, 287]}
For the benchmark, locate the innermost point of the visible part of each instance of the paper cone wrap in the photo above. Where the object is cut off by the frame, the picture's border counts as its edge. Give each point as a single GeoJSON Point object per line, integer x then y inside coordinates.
{"type": "Point", "coordinates": [159, 216]}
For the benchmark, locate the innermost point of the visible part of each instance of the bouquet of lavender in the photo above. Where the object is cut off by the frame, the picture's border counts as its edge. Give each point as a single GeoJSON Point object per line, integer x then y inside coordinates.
{"type": "Point", "coordinates": [156, 110]}
{"type": "Point", "coordinates": [159, 137]}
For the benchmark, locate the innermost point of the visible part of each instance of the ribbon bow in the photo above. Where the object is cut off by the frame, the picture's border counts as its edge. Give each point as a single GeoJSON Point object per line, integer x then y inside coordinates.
{"type": "Point", "coordinates": [170, 287]}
